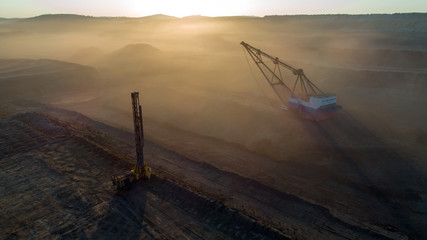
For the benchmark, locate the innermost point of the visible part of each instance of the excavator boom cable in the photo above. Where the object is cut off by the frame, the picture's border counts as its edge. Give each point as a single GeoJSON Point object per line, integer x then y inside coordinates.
{"type": "Point", "coordinates": [304, 97]}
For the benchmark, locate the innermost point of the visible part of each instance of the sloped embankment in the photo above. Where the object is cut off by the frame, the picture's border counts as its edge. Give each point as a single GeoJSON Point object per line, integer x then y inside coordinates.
{"type": "Point", "coordinates": [56, 183]}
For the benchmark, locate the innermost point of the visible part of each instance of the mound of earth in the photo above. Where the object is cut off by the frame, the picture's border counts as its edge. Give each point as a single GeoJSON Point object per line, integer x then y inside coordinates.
{"type": "Point", "coordinates": [131, 53]}
{"type": "Point", "coordinates": [131, 60]}
{"type": "Point", "coordinates": [44, 79]}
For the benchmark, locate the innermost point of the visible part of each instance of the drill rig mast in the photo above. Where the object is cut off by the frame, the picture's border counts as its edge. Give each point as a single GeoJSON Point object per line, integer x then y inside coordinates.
{"type": "Point", "coordinates": [140, 170]}
{"type": "Point", "coordinates": [139, 132]}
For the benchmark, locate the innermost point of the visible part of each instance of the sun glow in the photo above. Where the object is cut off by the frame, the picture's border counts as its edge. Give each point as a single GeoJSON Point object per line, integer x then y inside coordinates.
{"type": "Point", "coordinates": [189, 7]}
{"type": "Point", "coordinates": [212, 8]}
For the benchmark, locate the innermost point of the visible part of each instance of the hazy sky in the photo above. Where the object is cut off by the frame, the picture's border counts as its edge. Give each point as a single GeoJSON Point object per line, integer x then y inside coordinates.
{"type": "Point", "coordinates": [180, 8]}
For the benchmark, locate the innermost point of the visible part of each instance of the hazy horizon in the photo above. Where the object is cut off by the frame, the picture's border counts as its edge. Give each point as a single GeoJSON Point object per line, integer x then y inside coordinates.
{"type": "Point", "coordinates": [198, 15]}
{"type": "Point", "coordinates": [134, 8]}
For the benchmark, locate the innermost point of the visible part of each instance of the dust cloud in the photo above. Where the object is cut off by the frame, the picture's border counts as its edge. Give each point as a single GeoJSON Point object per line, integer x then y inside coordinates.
{"type": "Point", "coordinates": [194, 75]}
{"type": "Point", "coordinates": [197, 84]}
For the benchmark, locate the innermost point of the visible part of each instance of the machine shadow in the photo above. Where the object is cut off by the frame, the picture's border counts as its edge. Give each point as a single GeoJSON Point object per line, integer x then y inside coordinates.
{"type": "Point", "coordinates": [125, 215]}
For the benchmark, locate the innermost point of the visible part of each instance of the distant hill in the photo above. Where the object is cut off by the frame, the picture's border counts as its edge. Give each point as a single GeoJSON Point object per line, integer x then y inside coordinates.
{"type": "Point", "coordinates": [160, 17]}
{"type": "Point", "coordinates": [132, 59]}
{"type": "Point", "coordinates": [85, 17]}
{"type": "Point", "coordinates": [131, 54]}
{"type": "Point", "coordinates": [399, 22]}
{"type": "Point", "coordinates": [8, 19]}
{"type": "Point", "coordinates": [44, 78]}
{"type": "Point", "coordinates": [59, 16]}
{"type": "Point", "coordinates": [404, 22]}
{"type": "Point", "coordinates": [197, 17]}
{"type": "Point", "coordinates": [135, 51]}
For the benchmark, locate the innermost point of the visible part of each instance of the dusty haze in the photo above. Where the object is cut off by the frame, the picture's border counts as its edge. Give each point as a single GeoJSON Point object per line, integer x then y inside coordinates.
{"type": "Point", "coordinates": [194, 75]}
{"type": "Point", "coordinates": [198, 85]}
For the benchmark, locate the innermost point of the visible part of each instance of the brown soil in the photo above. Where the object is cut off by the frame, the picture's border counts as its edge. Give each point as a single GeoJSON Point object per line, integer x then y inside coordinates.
{"type": "Point", "coordinates": [55, 183]}
{"type": "Point", "coordinates": [57, 165]}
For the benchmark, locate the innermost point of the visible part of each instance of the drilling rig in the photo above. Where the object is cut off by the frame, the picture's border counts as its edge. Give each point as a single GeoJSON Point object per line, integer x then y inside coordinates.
{"type": "Point", "coordinates": [140, 170]}
{"type": "Point", "coordinates": [305, 98]}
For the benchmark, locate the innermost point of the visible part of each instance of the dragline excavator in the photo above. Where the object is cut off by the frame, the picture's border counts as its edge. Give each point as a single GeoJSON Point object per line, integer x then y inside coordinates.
{"type": "Point", "coordinates": [305, 98]}
{"type": "Point", "coordinates": [140, 170]}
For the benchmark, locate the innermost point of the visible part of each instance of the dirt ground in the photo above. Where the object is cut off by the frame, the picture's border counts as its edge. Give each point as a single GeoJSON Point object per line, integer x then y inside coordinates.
{"type": "Point", "coordinates": [55, 183]}
{"type": "Point", "coordinates": [57, 164]}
